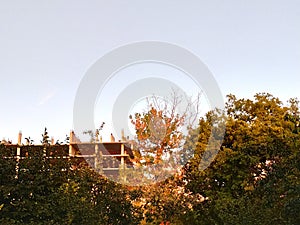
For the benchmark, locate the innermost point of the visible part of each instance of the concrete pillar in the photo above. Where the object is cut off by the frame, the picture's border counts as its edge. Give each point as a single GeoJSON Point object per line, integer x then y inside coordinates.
{"type": "Point", "coordinates": [71, 140]}
{"type": "Point", "coordinates": [19, 145]}
{"type": "Point", "coordinates": [18, 153]}
{"type": "Point", "coordinates": [122, 155]}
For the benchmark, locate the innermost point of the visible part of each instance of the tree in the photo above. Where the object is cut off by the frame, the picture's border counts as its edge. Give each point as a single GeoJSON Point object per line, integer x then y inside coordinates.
{"type": "Point", "coordinates": [160, 135]}
{"type": "Point", "coordinates": [46, 189]}
{"type": "Point", "coordinates": [254, 178]}
{"type": "Point", "coordinates": [159, 156]}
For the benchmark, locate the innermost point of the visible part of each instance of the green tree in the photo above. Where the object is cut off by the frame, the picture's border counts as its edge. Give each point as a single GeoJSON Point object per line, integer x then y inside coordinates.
{"type": "Point", "coordinates": [254, 177]}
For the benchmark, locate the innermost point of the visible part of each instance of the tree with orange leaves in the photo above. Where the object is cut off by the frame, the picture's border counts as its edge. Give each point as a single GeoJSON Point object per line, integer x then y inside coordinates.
{"type": "Point", "coordinates": [157, 133]}
{"type": "Point", "coordinates": [160, 135]}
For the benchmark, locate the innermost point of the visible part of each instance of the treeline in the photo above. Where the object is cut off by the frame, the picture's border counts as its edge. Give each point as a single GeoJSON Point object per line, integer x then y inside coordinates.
{"type": "Point", "coordinates": [254, 178]}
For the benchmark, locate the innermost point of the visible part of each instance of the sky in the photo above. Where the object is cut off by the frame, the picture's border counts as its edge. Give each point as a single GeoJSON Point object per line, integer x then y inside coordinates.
{"type": "Point", "coordinates": [47, 47]}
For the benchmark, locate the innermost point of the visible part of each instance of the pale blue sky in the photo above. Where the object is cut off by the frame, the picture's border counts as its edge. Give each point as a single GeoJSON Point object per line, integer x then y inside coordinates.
{"type": "Point", "coordinates": [47, 46]}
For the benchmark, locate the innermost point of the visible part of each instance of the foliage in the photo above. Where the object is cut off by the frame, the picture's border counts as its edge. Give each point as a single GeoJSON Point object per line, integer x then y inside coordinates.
{"type": "Point", "coordinates": [255, 177]}
{"type": "Point", "coordinates": [160, 132]}
{"type": "Point", "coordinates": [157, 133]}
{"type": "Point", "coordinates": [46, 190]}
{"type": "Point", "coordinates": [94, 136]}
{"type": "Point", "coordinates": [168, 201]}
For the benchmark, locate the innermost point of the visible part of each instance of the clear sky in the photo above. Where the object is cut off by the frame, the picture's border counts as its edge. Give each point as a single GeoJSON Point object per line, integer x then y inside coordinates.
{"type": "Point", "coordinates": [46, 47]}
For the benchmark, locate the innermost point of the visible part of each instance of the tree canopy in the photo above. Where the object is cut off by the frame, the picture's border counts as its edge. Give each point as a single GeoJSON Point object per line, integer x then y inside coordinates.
{"type": "Point", "coordinates": [249, 174]}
